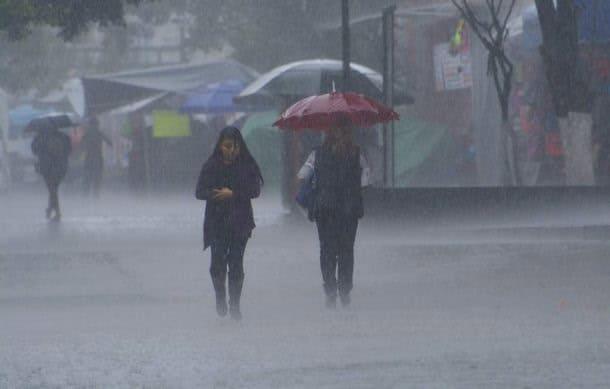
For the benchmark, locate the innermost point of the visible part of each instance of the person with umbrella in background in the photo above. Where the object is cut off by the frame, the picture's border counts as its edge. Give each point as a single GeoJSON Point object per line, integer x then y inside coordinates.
{"type": "Point", "coordinates": [227, 182]}
{"type": "Point", "coordinates": [52, 148]}
{"type": "Point", "coordinates": [94, 158]}
{"type": "Point", "coordinates": [337, 172]}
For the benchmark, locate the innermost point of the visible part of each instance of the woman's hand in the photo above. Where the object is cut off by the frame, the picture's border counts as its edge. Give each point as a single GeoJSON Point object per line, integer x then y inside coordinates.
{"type": "Point", "coordinates": [222, 194]}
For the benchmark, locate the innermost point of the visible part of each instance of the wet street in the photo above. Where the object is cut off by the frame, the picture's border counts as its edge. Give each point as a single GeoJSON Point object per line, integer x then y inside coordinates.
{"type": "Point", "coordinates": [118, 295]}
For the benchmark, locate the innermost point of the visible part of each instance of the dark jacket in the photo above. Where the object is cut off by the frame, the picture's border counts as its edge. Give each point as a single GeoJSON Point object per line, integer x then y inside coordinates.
{"type": "Point", "coordinates": [338, 188]}
{"type": "Point", "coordinates": [52, 148]}
{"type": "Point", "coordinates": [233, 215]}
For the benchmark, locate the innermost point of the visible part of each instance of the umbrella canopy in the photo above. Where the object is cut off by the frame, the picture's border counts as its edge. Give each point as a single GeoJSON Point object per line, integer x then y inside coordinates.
{"type": "Point", "coordinates": [306, 78]}
{"type": "Point", "coordinates": [20, 116]}
{"type": "Point", "coordinates": [213, 98]}
{"type": "Point", "coordinates": [55, 121]}
{"type": "Point", "coordinates": [335, 109]}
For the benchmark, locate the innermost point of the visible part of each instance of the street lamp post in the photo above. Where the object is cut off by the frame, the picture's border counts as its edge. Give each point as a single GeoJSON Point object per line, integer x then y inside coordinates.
{"type": "Point", "coordinates": [345, 29]}
{"type": "Point", "coordinates": [388, 94]}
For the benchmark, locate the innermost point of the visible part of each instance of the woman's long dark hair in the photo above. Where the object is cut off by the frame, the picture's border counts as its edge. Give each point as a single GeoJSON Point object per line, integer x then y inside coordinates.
{"type": "Point", "coordinates": [245, 157]}
{"type": "Point", "coordinates": [333, 141]}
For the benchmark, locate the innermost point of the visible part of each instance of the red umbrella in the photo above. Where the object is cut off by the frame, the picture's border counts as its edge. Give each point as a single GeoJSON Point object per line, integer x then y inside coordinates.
{"type": "Point", "coordinates": [335, 109]}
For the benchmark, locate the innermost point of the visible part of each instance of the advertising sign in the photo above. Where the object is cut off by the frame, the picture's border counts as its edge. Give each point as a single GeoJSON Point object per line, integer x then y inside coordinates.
{"type": "Point", "coordinates": [168, 124]}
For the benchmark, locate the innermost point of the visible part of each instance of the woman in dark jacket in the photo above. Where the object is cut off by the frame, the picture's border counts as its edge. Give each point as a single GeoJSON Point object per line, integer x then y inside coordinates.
{"type": "Point", "coordinates": [228, 181]}
{"type": "Point", "coordinates": [53, 149]}
{"type": "Point", "coordinates": [340, 171]}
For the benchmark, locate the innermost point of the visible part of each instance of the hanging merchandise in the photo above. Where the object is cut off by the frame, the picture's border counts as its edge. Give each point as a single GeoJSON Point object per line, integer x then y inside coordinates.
{"type": "Point", "coordinates": [459, 40]}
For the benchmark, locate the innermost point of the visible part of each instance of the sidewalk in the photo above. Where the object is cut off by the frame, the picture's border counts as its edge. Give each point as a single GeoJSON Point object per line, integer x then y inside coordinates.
{"type": "Point", "coordinates": [118, 295]}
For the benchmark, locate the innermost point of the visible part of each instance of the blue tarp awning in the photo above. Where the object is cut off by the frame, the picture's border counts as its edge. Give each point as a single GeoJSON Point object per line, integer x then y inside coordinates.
{"type": "Point", "coordinates": [214, 98]}
{"type": "Point", "coordinates": [594, 20]}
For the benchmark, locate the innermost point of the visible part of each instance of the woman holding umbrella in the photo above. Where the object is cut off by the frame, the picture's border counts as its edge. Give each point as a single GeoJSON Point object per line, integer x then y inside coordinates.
{"type": "Point", "coordinates": [228, 181]}
{"type": "Point", "coordinates": [52, 148]}
{"type": "Point", "coordinates": [340, 171]}
{"type": "Point", "coordinates": [337, 168]}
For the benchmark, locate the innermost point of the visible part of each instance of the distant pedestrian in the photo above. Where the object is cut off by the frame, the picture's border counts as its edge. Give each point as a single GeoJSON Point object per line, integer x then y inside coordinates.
{"type": "Point", "coordinates": [52, 148]}
{"type": "Point", "coordinates": [94, 158]}
{"type": "Point", "coordinates": [339, 172]}
{"type": "Point", "coordinates": [228, 181]}
{"type": "Point", "coordinates": [137, 171]}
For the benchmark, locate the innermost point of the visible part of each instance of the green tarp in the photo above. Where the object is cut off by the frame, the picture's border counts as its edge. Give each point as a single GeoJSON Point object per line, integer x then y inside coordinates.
{"type": "Point", "coordinates": [265, 144]}
{"type": "Point", "coordinates": [259, 120]}
{"type": "Point", "coordinates": [415, 140]}
{"type": "Point", "coordinates": [420, 147]}
{"type": "Point", "coordinates": [429, 155]}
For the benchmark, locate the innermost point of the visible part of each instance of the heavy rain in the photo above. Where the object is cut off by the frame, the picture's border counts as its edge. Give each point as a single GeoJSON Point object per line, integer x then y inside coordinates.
{"type": "Point", "coordinates": [305, 194]}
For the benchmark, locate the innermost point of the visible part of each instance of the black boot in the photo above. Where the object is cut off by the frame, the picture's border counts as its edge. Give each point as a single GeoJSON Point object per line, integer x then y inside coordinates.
{"type": "Point", "coordinates": [221, 299]}
{"type": "Point", "coordinates": [331, 301]}
{"type": "Point", "coordinates": [330, 290]}
{"type": "Point", "coordinates": [57, 216]}
{"type": "Point", "coordinates": [221, 305]}
{"type": "Point", "coordinates": [234, 311]}
{"type": "Point", "coordinates": [345, 299]}
{"type": "Point", "coordinates": [235, 287]}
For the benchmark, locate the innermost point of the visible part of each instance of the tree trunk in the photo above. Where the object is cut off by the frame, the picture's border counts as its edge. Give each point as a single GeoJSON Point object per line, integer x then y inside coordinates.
{"type": "Point", "coordinates": [511, 147]}
{"type": "Point", "coordinates": [577, 145]}
{"type": "Point", "coordinates": [5, 161]}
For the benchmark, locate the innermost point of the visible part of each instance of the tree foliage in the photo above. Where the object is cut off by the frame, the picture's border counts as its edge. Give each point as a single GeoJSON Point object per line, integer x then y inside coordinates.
{"type": "Point", "coordinates": [37, 61]}
{"type": "Point", "coordinates": [262, 34]}
{"type": "Point", "coordinates": [18, 17]}
{"type": "Point", "coordinates": [489, 24]}
{"type": "Point", "coordinates": [266, 33]}
{"type": "Point", "coordinates": [490, 27]}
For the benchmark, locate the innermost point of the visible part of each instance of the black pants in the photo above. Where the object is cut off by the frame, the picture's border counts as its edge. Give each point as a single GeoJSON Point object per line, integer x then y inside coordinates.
{"type": "Point", "coordinates": [337, 234]}
{"type": "Point", "coordinates": [53, 188]}
{"type": "Point", "coordinates": [228, 253]}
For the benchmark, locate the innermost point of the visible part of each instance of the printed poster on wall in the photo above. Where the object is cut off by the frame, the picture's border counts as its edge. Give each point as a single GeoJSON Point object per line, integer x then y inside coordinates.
{"type": "Point", "coordinates": [453, 71]}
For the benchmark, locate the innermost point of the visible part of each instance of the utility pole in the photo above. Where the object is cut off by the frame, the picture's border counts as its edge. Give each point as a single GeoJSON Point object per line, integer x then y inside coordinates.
{"type": "Point", "coordinates": [4, 123]}
{"type": "Point", "coordinates": [4, 158]}
{"type": "Point", "coordinates": [388, 94]}
{"type": "Point", "coordinates": [345, 30]}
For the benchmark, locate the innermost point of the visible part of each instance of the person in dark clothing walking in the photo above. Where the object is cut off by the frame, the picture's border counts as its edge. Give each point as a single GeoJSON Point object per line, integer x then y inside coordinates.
{"type": "Point", "coordinates": [52, 148]}
{"type": "Point", "coordinates": [340, 171]}
{"type": "Point", "coordinates": [94, 159]}
{"type": "Point", "coordinates": [228, 181]}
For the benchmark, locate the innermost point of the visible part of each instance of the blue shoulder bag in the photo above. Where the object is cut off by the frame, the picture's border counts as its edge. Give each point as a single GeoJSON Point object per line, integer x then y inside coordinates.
{"type": "Point", "coordinates": [306, 192]}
